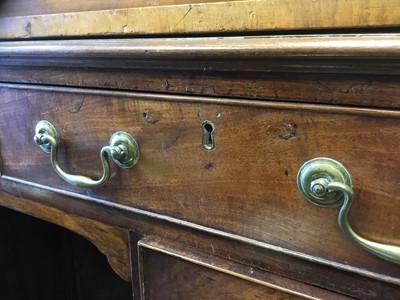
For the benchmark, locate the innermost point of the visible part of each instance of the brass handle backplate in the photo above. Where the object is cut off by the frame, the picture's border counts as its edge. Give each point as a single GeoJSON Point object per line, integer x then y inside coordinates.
{"type": "Point", "coordinates": [326, 183]}
{"type": "Point", "coordinates": [122, 148]}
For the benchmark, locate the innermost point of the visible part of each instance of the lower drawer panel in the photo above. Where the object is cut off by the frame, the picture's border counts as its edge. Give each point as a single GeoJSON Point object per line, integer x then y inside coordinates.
{"type": "Point", "coordinates": [166, 277]}
{"type": "Point", "coordinates": [245, 186]}
{"type": "Point", "coordinates": [171, 271]}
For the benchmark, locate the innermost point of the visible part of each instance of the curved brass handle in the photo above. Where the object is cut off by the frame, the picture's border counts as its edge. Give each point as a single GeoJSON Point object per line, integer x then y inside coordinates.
{"type": "Point", "coordinates": [325, 182]}
{"type": "Point", "coordinates": [122, 148]}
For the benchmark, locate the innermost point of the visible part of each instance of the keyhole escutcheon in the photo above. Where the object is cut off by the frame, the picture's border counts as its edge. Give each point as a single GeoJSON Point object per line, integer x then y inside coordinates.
{"type": "Point", "coordinates": [208, 129]}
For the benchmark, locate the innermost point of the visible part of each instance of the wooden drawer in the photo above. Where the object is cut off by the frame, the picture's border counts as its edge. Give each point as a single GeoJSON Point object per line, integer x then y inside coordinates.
{"type": "Point", "coordinates": [243, 189]}
{"type": "Point", "coordinates": [170, 271]}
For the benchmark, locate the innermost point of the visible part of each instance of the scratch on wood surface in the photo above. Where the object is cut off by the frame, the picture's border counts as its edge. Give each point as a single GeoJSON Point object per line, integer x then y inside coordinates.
{"type": "Point", "coordinates": [165, 146]}
{"type": "Point", "coordinates": [184, 16]}
{"type": "Point", "coordinates": [199, 111]}
{"type": "Point", "coordinates": [28, 28]}
{"type": "Point", "coordinates": [78, 107]}
{"type": "Point", "coordinates": [199, 278]}
{"type": "Point", "coordinates": [359, 84]}
{"type": "Point", "coordinates": [324, 88]}
{"type": "Point", "coordinates": [167, 85]}
{"type": "Point", "coordinates": [180, 202]}
{"type": "Point", "coordinates": [212, 247]}
{"type": "Point", "coordinates": [178, 135]}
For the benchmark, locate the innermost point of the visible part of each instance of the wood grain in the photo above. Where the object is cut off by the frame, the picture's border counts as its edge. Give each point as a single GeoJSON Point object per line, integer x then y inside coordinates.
{"type": "Point", "coordinates": [344, 279]}
{"type": "Point", "coordinates": [202, 276]}
{"type": "Point", "coordinates": [355, 54]}
{"type": "Point", "coordinates": [12, 8]}
{"type": "Point", "coordinates": [110, 240]}
{"type": "Point", "coordinates": [232, 218]}
{"type": "Point", "coordinates": [361, 90]}
{"type": "Point", "coordinates": [246, 185]}
{"type": "Point", "coordinates": [260, 47]}
{"type": "Point", "coordinates": [259, 68]}
{"type": "Point", "coordinates": [217, 18]}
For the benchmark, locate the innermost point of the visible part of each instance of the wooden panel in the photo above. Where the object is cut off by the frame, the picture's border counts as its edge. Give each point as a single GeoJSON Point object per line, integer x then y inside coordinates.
{"type": "Point", "coordinates": [10, 8]}
{"type": "Point", "coordinates": [334, 47]}
{"type": "Point", "coordinates": [247, 186]}
{"type": "Point", "coordinates": [170, 271]}
{"type": "Point", "coordinates": [339, 277]}
{"type": "Point", "coordinates": [299, 69]}
{"type": "Point", "coordinates": [354, 54]}
{"type": "Point", "coordinates": [111, 241]}
{"type": "Point", "coordinates": [220, 17]}
{"type": "Point", "coordinates": [171, 278]}
{"type": "Point", "coordinates": [363, 90]}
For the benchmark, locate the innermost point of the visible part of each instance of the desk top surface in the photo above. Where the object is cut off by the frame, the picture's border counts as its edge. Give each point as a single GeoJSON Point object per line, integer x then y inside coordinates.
{"type": "Point", "coordinates": [60, 19]}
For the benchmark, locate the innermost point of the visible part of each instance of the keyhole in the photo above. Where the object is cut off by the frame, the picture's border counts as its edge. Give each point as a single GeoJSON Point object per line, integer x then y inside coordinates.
{"type": "Point", "coordinates": [208, 128]}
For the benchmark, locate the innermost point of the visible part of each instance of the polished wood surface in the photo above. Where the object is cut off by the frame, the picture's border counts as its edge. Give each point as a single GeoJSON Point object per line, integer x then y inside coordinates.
{"type": "Point", "coordinates": [207, 18]}
{"type": "Point", "coordinates": [356, 47]}
{"type": "Point", "coordinates": [12, 8]}
{"type": "Point", "coordinates": [362, 90]}
{"type": "Point", "coordinates": [212, 276]}
{"type": "Point", "coordinates": [354, 54]}
{"type": "Point", "coordinates": [343, 279]}
{"type": "Point", "coordinates": [255, 197]}
{"type": "Point", "coordinates": [170, 273]}
{"type": "Point", "coordinates": [253, 68]}
{"type": "Point", "coordinates": [282, 81]}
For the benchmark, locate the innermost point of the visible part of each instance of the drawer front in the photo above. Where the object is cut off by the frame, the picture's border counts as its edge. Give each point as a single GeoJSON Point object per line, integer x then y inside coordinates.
{"type": "Point", "coordinates": [246, 186]}
{"type": "Point", "coordinates": [168, 277]}
{"type": "Point", "coordinates": [171, 271]}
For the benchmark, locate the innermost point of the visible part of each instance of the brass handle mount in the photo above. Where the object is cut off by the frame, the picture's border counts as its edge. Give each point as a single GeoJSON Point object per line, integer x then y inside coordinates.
{"type": "Point", "coordinates": [122, 148]}
{"type": "Point", "coordinates": [326, 183]}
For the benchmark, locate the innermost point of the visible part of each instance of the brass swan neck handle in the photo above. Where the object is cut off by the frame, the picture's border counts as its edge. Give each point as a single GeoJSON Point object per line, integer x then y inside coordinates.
{"type": "Point", "coordinates": [326, 183]}
{"type": "Point", "coordinates": [122, 148]}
